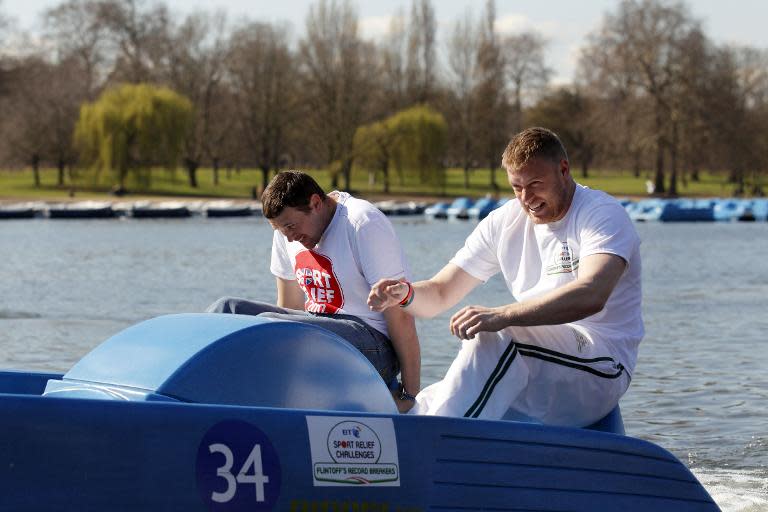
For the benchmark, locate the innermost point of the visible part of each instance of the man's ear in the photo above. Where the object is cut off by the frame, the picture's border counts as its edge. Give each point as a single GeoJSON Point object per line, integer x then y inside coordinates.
{"type": "Point", "coordinates": [565, 167]}
{"type": "Point", "coordinates": [315, 202]}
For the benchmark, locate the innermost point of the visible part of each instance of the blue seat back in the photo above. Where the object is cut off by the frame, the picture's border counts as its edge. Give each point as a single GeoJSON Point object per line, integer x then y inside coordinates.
{"type": "Point", "coordinates": [228, 359]}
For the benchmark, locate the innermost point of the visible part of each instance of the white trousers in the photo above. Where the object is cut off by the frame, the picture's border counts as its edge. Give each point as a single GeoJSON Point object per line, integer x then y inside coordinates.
{"type": "Point", "coordinates": [552, 374]}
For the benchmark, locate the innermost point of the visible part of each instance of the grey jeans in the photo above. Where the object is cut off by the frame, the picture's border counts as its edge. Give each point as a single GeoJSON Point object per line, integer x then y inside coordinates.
{"type": "Point", "coordinates": [373, 344]}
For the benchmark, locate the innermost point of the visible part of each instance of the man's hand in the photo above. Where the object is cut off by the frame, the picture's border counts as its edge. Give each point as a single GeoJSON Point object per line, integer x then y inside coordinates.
{"type": "Point", "coordinates": [387, 293]}
{"type": "Point", "coordinates": [470, 320]}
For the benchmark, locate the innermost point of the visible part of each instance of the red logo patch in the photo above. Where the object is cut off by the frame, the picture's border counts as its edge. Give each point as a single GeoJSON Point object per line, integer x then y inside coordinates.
{"type": "Point", "coordinates": [314, 273]}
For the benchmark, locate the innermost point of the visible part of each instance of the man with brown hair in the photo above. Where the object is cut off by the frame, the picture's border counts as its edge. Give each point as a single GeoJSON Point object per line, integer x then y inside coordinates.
{"type": "Point", "coordinates": [563, 352]}
{"type": "Point", "coordinates": [327, 252]}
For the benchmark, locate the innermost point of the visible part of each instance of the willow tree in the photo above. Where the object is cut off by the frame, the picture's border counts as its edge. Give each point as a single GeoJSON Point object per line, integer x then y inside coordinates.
{"type": "Point", "coordinates": [374, 145]}
{"type": "Point", "coordinates": [414, 139]}
{"type": "Point", "coordinates": [132, 128]}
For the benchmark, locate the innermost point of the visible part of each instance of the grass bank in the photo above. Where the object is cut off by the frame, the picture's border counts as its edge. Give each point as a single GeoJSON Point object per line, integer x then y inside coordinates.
{"type": "Point", "coordinates": [18, 185]}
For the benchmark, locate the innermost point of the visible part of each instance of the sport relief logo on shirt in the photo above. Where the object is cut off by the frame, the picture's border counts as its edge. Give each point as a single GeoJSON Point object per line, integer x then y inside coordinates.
{"type": "Point", "coordinates": [564, 261]}
{"type": "Point", "coordinates": [314, 273]}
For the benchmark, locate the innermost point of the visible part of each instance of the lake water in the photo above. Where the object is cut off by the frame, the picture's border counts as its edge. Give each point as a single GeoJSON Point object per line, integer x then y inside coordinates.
{"type": "Point", "coordinates": [701, 384]}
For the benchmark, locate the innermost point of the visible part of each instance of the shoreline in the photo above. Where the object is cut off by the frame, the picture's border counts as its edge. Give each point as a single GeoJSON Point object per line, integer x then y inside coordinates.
{"type": "Point", "coordinates": [372, 197]}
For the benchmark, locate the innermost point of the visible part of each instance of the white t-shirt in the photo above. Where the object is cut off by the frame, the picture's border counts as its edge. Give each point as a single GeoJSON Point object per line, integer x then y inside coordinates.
{"type": "Point", "coordinates": [537, 258]}
{"type": "Point", "coordinates": [358, 248]}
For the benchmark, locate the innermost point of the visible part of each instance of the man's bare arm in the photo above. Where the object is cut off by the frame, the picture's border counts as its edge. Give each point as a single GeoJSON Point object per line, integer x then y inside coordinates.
{"type": "Point", "coordinates": [402, 332]}
{"type": "Point", "coordinates": [587, 295]}
{"type": "Point", "coordinates": [289, 294]}
{"type": "Point", "coordinates": [431, 297]}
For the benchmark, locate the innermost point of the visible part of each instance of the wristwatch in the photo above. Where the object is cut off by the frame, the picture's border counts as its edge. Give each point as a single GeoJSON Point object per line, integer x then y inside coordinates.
{"type": "Point", "coordinates": [404, 395]}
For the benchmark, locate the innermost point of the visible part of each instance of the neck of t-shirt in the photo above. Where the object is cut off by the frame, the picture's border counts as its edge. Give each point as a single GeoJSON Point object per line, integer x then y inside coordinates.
{"type": "Point", "coordinates": [331, 208]}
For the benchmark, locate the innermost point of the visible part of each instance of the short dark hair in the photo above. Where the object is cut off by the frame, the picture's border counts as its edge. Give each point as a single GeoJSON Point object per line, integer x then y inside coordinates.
{"type": "Point", "coordinates": [289, 189]}
{"type": "Point", "coordinates": [533, 143]}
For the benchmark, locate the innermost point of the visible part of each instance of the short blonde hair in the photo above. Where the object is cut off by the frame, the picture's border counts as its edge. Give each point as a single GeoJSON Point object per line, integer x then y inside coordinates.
{"type": "Point", "coordinates": [533, 143]}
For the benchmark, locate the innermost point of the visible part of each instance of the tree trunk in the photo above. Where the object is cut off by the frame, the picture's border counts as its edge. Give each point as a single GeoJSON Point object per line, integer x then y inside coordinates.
{"type": "Point", "coordinates": [672, 192]}
{"type": "Point", "coordinates": [658, 182]}
{"type": "Point", "coordinates": [264, 177]}
{"type": "Point", "coordinates": [191, 166]}
{"type": "Point", "coordinates": [121, 174]}
{"type": "Point", "coordinates": [636, 164]}
{"type": "Point", "coordinates": [346, 170]}
{"type": "Point", "coordinates": [215, 171]}
{"type": "Point", "coordinates": [695, 175]}
{"type": "Point", "coordinates": [740, 188]}
{"type": "Point", "coordinates": [36, 169]}
{"type": "Point", "coordinates": [334, 180]}
{"type": "Point", "coordinates": [494, 185]}
{"type": "Point", "coordinates": [62, 167]}
{"type": "Point", "coordinates": [385, 170]}
{"type": "Point", "coordinates": [659, 186]}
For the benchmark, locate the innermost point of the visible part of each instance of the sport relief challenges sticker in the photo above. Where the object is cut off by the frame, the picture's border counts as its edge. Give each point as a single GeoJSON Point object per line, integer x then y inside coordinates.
{"type": "Point", "coordinates": [353, 451]}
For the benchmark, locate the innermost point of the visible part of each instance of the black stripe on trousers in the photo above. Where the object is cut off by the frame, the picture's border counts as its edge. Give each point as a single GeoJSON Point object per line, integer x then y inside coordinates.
{"type": "Point", "coordinates": [582, 367]}
{"type": "Point", "coordinates": [496, 375]}
{"type": "Point", "coordinates": [539, 353]}
{"type": "Point", "coordinates": [562, 355]}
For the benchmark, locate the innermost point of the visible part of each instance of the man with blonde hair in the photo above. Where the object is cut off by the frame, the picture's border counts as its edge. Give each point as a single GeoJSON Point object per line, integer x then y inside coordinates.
{"type": "Point", "coordinates": [563, 352]}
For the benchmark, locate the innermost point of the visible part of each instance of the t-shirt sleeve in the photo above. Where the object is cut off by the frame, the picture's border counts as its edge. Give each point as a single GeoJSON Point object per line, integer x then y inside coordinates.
{"type": "Point", "coordinates": [609, 230]}
{"type": "Point", "coordinates": [479, 256]}
{"type": "Point", "coordinates": [280, 266]}
{"type": "Point", "coordinates": [379, 250]}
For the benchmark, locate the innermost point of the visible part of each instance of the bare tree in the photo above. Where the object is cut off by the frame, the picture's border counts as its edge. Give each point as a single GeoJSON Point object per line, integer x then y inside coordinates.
{"type": "Point", "coordinates": [3, 25]}
{"type": "Point", "coordinates": [75, 32]}
{"type": "Point", "coordinates": [40, 113]}
{"type": "Point", "coordinates": [576, 118]}
{"type": "Point", "coordinates": [139, 36]}
{"type": "Point", "coordinates": [195, 67]}
{"type": "Point", "coordinates": [689, 114]}
{"type": "Point", "coordinates": [492, 107]}
{"type": "Point", "coordinates": [263, 76]}
{"type": "Point", "coordinates": [749, 103]}
{"type": "Point", "coordinates": [394, 56]}
{"type": "Point", "coordinates": [640, 46]}
{"type": "Point", "coordinates": [421, 51]}
{"type": "Point", "coordinates": [339, 76]}
{"type": "Point", "coordinates": [463, 46]}
{"type": "Point", "coordinates": [527, 72]}
{"type": "Point", "coordinates": [3, 65]}
{"type": "Point", "coordinates": [623, 121]}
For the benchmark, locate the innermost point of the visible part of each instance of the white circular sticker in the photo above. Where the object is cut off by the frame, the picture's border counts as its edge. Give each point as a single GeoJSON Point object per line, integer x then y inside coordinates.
{"type": "Point", "coordinates": [353, 442]}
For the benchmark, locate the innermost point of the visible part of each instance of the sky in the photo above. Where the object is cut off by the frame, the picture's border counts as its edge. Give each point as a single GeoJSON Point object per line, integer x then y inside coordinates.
{"type": "Point", "coordinates": [564, 23]}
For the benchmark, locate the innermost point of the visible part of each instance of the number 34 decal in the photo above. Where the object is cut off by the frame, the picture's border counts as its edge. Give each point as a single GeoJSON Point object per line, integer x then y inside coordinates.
{"type": "Point", "coordinates": [237, 468]}
{"type": "Point", "coordinates": [252, 463]}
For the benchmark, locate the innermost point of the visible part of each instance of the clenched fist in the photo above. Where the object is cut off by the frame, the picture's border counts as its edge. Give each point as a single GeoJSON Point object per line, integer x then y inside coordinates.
{"type": "Point", "coordinates": [387, 293]}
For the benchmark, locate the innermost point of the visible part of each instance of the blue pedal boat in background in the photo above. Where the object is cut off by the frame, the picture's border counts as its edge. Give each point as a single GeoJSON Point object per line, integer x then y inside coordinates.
{"type": "Point", "coordinates": [230, 413]}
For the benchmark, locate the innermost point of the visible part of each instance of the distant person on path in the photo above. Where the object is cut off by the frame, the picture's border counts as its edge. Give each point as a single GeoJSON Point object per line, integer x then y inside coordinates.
{"type": "Point", "coordinates": [564, 352]}
{"type": "Point", "coordinates": [327, 252]}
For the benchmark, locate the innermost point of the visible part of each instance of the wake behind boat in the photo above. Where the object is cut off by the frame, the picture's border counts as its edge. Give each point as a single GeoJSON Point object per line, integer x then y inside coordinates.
{"type": "Point", "coordinates": [229, 412]}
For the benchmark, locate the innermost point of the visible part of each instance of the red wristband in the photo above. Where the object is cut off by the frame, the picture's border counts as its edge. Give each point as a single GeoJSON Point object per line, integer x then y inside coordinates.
{"type": "Point", "coordinates": [408, 297]}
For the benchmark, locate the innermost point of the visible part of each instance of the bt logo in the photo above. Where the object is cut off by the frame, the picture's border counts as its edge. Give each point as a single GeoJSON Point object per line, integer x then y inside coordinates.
{"type": "Point", "coordinates": [351, 431]}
